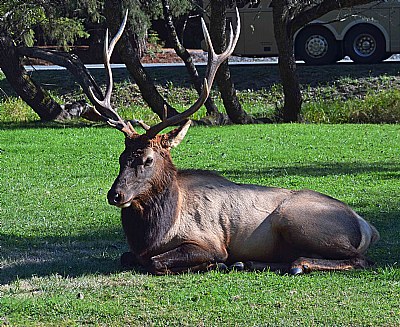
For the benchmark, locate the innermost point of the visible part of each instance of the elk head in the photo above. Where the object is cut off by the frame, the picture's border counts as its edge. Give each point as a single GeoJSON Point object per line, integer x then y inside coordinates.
{"type": "Point", "coordinates": [145, 164]}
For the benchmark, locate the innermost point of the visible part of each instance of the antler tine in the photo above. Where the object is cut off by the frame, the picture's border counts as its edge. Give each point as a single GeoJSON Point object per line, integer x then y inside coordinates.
{"type": "Point", "coordinates": [108, 50]}
{"type": "Point", "coordinates": [213, 63]}
{"type": "Point", "coordinates": [214, 60]}
{"type": "Point", "coordinates": [103, 107]}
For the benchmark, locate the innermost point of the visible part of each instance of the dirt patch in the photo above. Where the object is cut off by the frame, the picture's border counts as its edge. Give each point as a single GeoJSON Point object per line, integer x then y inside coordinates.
{"type": "Point", "coordinates": [166, 56]}
{"type": "Point", "coordinates": [153, 56]}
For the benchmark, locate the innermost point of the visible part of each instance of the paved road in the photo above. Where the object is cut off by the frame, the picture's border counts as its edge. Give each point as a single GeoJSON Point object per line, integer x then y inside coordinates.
{"type": "Point", "coordinates": [97, 66]}
{"type": "Point", "coordinates": [264, 61]}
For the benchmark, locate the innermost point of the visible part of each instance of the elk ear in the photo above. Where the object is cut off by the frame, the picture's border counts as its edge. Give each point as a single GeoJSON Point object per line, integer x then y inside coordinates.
{"type": "Point", "coordinates": [175, 137]}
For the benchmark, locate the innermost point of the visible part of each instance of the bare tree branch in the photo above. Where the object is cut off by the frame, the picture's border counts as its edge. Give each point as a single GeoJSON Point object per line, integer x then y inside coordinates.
{"type": "Point", "coordinates": [185, 56]}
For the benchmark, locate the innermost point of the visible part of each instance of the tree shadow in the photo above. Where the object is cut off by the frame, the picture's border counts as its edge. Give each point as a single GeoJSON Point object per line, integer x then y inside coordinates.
{"type": "Point", "coordinates": [49, 125]}
{"type": "Point", "coordinates": [97, 252]}
{"type": "Point", "coordinates": [256, 76]}
{"type": "Point", "coordinates": [387, 170]}
{"type": "Point", "coordinates": [386, 252]}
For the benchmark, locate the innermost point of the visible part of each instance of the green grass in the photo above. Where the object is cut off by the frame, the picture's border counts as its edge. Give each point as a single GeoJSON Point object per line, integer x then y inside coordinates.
{"type": "Point", "coordinates": [382, 107]}
{"type": "Point", "coordinates": [60, 242]}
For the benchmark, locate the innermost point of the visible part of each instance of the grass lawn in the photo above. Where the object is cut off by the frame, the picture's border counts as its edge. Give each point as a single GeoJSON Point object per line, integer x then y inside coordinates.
{"type": "Point", "coordinates": [60, 241]}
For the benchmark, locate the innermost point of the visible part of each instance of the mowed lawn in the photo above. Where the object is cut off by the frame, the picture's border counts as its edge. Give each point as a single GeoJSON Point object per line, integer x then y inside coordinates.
{"type": "Point", "coordinates": [60, 241]}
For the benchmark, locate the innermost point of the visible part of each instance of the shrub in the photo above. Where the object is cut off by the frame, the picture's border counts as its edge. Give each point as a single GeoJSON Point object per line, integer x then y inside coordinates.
{"type": "Point", "coordinates": [381, 107]}
{"type": "Point", "coordinates": [15, 110]}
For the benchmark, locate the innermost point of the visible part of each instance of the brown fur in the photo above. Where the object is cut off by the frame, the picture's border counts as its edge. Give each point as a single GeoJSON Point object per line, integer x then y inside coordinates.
{"type": "Point", "coordinates": [177, 221]}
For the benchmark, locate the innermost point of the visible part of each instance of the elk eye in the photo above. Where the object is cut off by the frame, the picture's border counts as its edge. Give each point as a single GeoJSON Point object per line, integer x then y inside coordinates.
{"type": "Point", "coordinates": [149, 161]}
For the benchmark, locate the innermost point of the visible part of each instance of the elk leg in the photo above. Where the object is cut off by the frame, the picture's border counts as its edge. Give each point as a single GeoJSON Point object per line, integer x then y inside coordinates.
{"type": "Point", "coordinates": [128, 260]}
{"type": "Point", "coordinates": [184, 258]}
{"type": "Point", "coordinates": [306, 265]}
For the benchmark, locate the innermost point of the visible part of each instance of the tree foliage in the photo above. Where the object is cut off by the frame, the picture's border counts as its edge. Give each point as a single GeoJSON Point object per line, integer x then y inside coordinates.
{"type": "Point", "coordinates": [141, 13]}
{"type": "Point", "coordinates": [62, 22]}
{"type": "Point", "coordinates": [58, 21]}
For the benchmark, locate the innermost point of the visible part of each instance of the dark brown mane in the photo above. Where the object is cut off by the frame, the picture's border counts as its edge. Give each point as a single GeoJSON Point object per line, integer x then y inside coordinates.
{"type": "Point", "coordinates": [153, 213]}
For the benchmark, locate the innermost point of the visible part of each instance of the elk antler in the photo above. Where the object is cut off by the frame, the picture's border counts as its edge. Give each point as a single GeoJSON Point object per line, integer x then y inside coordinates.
{"type": "Point", "coordinates": [213, 63]}
{"type": "Point", "coordinates": [103, 107]}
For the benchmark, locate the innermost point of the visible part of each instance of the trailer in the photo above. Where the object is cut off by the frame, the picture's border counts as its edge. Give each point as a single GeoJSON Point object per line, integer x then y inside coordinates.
{"type": "Point", "coordinates": [367, 34]}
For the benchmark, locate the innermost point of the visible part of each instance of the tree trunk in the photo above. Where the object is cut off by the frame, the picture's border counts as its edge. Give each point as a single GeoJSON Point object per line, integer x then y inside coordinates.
{"type": "Point", "coordinates": [223, 78]}
{"type": "Point", "coordinates": [186, 58]}
{"type": "Point", "coordinates": [128, 49]}
{"type": "Point", "coordinates": [284, 36]}
{"type": "Point", "coordinates": [289, 17]}
{"type": "Point", "coordinates": [29, 91]}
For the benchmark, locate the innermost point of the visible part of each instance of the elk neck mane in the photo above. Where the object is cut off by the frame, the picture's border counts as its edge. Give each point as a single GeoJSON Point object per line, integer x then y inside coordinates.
{"type": "Point", "coordinates": [154, 212]}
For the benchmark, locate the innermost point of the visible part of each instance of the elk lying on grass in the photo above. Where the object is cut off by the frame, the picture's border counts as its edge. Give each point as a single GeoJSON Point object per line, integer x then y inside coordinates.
{"type": "Point", "coordinates": [191, 220]}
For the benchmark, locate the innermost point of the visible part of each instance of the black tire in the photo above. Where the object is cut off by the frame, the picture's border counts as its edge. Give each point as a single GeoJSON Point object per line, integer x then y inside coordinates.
{"type": "Point", "coordinates": [316, 45]}
{"type": "Point", "coordinates": [365, 44]}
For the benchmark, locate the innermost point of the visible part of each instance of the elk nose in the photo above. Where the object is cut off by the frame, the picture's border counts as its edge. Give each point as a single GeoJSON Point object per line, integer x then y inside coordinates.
{"type": "Point", "coordinates": [114, 198]}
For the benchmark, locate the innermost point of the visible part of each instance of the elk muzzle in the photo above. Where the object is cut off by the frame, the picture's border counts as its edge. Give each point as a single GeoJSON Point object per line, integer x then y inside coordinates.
{"type": "Point", "coordinates": [118, 198]}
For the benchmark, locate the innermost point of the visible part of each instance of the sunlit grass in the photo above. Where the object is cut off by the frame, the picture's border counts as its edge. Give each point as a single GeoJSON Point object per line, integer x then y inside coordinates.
{"type": "Point", "coordinates": [60, 241]}
{"type": "Point", "coordinates": [382, 107]}
{"type": "Point", "coordinates": [15, 110]}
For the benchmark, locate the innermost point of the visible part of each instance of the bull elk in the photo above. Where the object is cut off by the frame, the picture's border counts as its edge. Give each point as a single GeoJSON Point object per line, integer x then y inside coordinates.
{"type": "Point", "coordinates": [192, 220]}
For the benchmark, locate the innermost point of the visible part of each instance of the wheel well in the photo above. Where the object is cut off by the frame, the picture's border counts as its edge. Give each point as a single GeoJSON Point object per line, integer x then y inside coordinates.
{"type": "Point", "coordinates": [313, 27]}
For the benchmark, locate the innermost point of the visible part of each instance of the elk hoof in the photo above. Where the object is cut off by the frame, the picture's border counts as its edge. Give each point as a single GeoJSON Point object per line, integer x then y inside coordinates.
{"type": "Point", "coordinates": [219, 266]}
{"type": "Point", "coordinates": [238, 266]}
{"type": "Point", "coordinates": [296, 271]}
{"type": "Point", "coordinates": [127, 260]}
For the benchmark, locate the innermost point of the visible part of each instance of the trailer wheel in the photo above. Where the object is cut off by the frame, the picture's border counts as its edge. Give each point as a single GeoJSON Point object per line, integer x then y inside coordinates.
{"type": "Point", "coordinates": [365, 44]}
{"type": "Point", "coordinates": [316, 45]}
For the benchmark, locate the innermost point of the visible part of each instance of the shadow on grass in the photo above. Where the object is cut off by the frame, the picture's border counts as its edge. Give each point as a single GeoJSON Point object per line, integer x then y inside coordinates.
{"type": "Point", "coordinates": [387, 251]}
{"type": "Point", "coordinates": [80, 256]}
{"type": "Point", "coordinates": [384, 170]}
{"type": "Point", "coordinates": [95, 253]}
{"type": "Point", "coordinates": [74, 123]}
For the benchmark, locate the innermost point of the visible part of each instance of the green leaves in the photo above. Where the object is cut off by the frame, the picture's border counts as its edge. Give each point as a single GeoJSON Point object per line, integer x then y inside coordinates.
{"type": "Point", "coordinates": [21, 20]}
{"type": "Point", "coordinates": [18, 19]}
{"type": "Point", "coordinates": [62, 21]}
{"type": "Point", "coordinates": [142, 12]}
{"type": "Point", "coordinates": [64, 30]}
